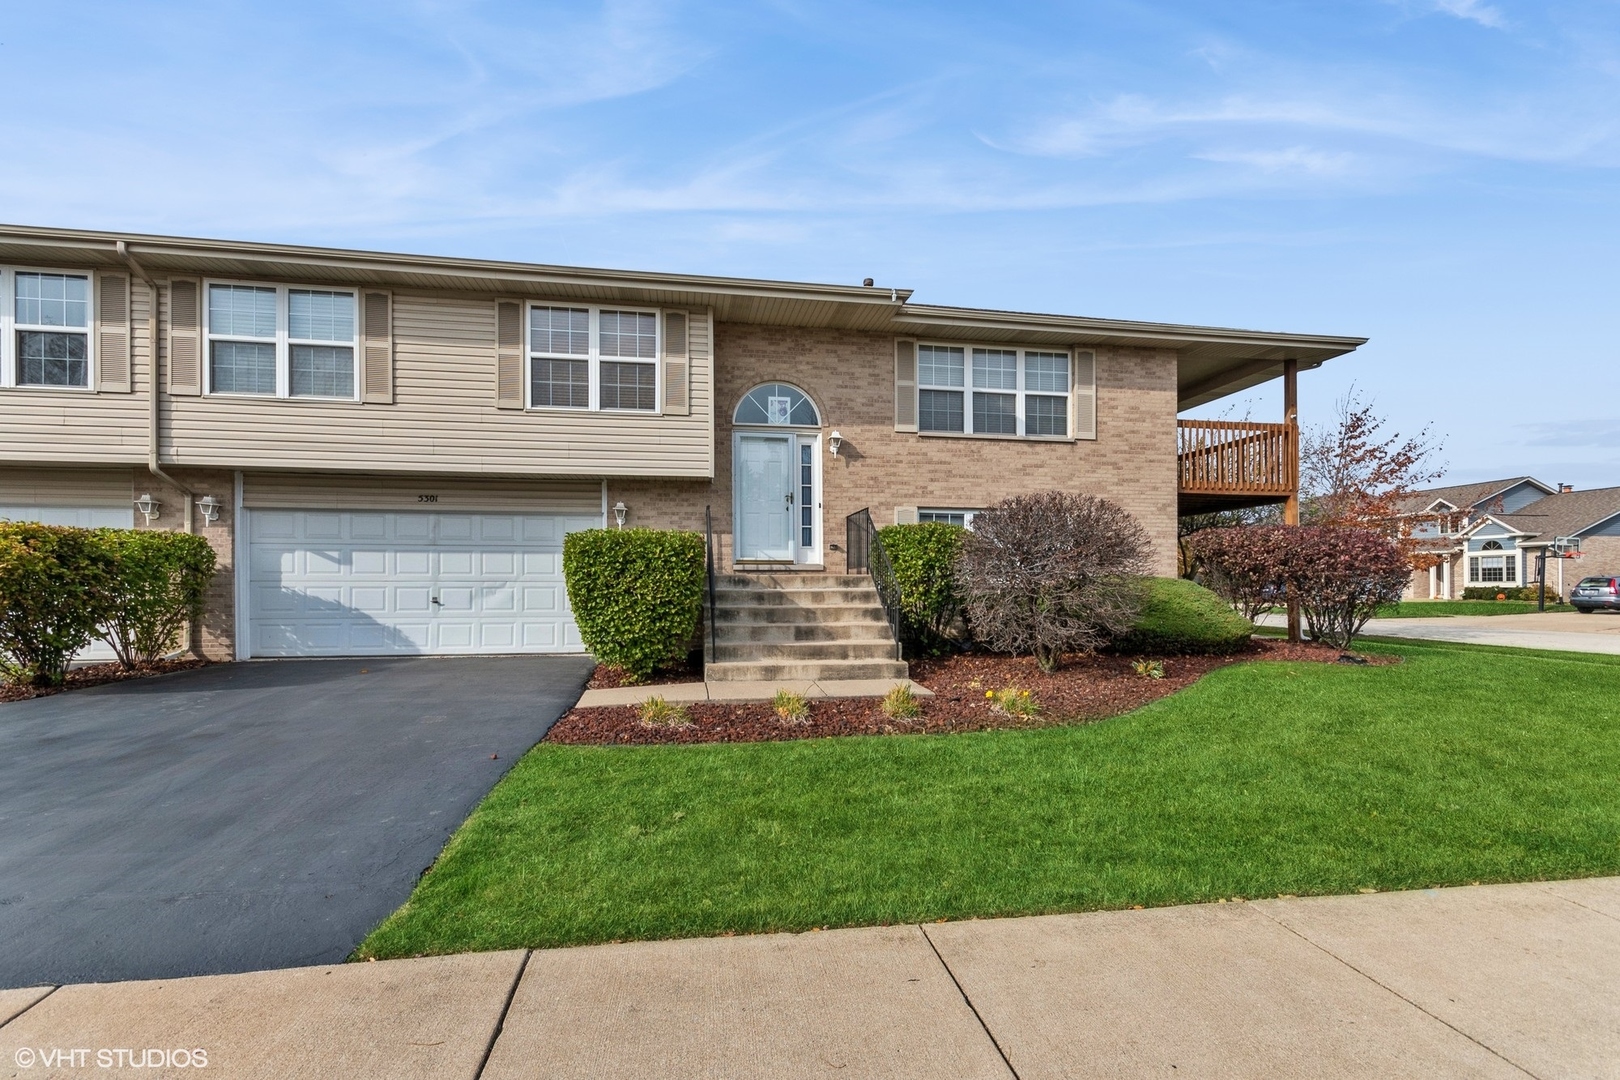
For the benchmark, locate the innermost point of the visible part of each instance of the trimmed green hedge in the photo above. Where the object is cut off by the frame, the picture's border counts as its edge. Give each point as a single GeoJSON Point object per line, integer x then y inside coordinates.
{"type": "Point", "coordinates": [636, 594]}
{"type": "Point", "coordinates": [61, 587]}
{"type": "Point", "coordinates": [158, 584]}
{"type": "Point", "coordinates": [53, 591]}
{"type": "Point", "coordinates": [1180, 617]}
{"type": "Point", "coordinates": [924, 558]}
{"type": "Point", "coordinates": [1510, 592]}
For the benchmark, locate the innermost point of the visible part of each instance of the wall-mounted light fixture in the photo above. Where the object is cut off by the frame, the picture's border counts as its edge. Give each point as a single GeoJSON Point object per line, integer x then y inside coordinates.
{"type": "Point", "coordinates": [619, 512]}
{"type": "Point", "coordinates": [210, 509]}
{"type": "Point", "coordinates": [148, 508]}
{"type": "Point", "coordinates": [834, 441]}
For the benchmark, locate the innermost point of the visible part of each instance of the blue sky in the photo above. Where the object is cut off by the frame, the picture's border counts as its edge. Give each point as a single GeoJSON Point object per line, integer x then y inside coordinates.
{"type": "Point", "coordinates": [1437, 175]}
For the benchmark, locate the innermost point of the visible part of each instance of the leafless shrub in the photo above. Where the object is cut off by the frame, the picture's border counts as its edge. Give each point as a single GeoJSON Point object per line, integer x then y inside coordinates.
{"type": "Point", "coordinates": [1052, 573]}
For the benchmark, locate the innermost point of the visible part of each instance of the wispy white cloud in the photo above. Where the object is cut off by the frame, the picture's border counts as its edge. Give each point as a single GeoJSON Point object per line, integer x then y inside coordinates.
{"type": "Point", "coordinates": [1292, 159]}
{"type": "Point", "coordinates": [1472, 10]}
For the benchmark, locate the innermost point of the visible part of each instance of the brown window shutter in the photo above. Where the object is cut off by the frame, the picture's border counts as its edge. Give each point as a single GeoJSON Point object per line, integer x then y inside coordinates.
{"type": "Point", "coordinates": [185, 337]}
{"type": "Point", "coordinates": [905, 515]}
{"type": "Point", "coordinates": [508, 355]}
{"type": "Point", "coordinates": [677, 366]}
{"type": "Point", "coordinates": [112, 333]}
{"type": "Point", "coordinates": [905, 386]}
{"type": "Point", "coordinates": [1085, 395]}
{"type": "Point", "coordinates": [377, 350]}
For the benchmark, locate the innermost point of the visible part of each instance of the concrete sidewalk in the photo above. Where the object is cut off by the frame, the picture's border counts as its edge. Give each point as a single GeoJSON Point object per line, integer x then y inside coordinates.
{"type": "Point", "coordinates": [1558, 631]}
{"type": "Point", "coordinates": [1489, 981]}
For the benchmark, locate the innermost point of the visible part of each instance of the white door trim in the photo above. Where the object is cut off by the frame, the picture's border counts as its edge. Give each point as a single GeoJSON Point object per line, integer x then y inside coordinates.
{"type": "Point", "coordinates": [802, 554]}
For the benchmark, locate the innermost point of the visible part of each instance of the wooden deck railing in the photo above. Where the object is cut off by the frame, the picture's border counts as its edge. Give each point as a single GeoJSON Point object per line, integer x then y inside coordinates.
{"type": "Point", "coordinates": [1236, 457]}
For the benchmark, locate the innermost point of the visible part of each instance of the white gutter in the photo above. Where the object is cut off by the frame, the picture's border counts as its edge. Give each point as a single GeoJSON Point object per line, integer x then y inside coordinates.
{"type": "Point", "coordinates": [153, 463]}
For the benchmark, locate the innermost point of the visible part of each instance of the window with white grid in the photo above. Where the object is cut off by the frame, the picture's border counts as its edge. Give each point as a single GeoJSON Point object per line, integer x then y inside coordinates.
{"type": "Point", "coordinates": [593, 358]}
{"type": "Point", "coordinates": [974, 390]}
{"type": "Point", "coordinates": [45, 317]}
{"type": "Point", "coordinates": [281, 341]}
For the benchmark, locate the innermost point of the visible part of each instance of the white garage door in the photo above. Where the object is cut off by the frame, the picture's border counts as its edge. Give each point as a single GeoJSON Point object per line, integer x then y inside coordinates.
{"type": "Point", "coordinates": [361, 583]}
{"type": "Point", "coordinates": [84, 517]}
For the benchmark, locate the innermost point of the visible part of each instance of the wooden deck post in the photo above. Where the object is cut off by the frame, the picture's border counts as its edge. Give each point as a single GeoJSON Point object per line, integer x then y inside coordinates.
{"type": "Point", "coordinates": [1291, 507]}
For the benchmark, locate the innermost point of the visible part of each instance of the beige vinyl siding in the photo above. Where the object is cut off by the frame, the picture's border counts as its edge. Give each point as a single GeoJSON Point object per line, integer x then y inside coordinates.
{"type": "Point", "coordinates": [307, 491]}
{"type": "Point", "coordinates": [444, 416]}
{"type": "Point", "coordinates": [35, 486]}
{"type": "Point", "coordinates": [68, 426]}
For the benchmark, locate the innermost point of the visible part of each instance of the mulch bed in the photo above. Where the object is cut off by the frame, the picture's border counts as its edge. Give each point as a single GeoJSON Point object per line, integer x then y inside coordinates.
{"type": "Point", "coordinates": [96, 675]}
{"type": "Point", "coordinates": [1084, 689]}
{"type": "Point", "coordinates": [611, 678]}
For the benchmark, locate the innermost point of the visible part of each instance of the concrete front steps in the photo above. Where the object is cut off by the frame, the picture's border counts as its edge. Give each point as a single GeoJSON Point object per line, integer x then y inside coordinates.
{"type": "Point", "coordinates": [780, 627]}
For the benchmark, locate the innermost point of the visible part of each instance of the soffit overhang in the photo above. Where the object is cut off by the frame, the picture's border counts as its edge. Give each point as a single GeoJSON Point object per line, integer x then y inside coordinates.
{"type": "Point", "coordinates": [1213, 362]}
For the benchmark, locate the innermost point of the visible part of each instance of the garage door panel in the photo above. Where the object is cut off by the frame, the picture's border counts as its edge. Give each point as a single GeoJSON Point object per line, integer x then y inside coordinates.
{"type": "Point", "coordinates": [372, 599]}
{"type": "Point", "coordinates": [497, 636]}
{"type": "Point", "coordinates": [370, 637]}
{"type": "Point", "coordinates": [412, 564]}
{"type": "Point", "coordinates": [537, 599]}
{"type": "Point", "coordinates": [364, 582]}
{"type": "Point", "coordinates": [365, 561]}
{"type": "Point", "coordinates": [498, 564]}
{"type": "Point", "coordinates": [368, 526]}
{"type": "Point", "coordinates": [269, 563]}
{"type": "Point", "coordinates": [497, 528]}
{"type": "Point", "coordinates": [413, 599]}
{"type": "Point", "coordinates": [319, 563]}
{"type": "Point", "coordinates": [274, 524]}
{"type": "Point", "coordinates": [455, 599]}
{"type": "Point", "coordinates": [410, 528]}
{"type": "Point", "coordinates": [323, 526]}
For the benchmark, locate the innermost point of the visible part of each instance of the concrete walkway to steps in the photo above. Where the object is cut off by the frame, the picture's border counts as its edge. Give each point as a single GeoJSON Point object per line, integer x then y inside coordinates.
{"type": "Point", "coordinates": [1558, 631]}
{"type": "Point", "coordinates": [746, 691]}
{"type": "Point", "coordinates": [1487, 981]}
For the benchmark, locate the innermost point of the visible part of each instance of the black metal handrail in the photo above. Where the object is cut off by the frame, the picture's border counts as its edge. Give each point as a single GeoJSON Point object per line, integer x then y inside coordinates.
{"type": "Point", "coordinates": [863, 548]}
{"type": "Point", "coordinates": [708, 555]}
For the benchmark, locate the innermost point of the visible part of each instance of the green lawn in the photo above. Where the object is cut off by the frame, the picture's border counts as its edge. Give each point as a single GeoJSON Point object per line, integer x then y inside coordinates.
{"type": "Point", "coordinates": [1460, 765]}
{"type": "Point", "coordinates": [1430, 609]}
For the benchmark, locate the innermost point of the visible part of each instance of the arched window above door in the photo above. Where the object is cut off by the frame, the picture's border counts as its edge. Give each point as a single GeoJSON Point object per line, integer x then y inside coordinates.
{"type": "Point", "coordinates": [778, 405]}
{"type": "Point", "coordinates": [1491, 545]}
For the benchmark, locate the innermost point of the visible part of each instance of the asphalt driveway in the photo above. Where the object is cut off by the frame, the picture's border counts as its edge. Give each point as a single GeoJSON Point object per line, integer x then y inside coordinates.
{"type": "Point", "coordinates": [245, 816]}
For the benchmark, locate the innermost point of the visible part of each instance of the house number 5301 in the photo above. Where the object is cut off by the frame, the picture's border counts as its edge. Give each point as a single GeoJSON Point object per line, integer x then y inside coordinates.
{"type": "Point", "coordinates": [427, 498]}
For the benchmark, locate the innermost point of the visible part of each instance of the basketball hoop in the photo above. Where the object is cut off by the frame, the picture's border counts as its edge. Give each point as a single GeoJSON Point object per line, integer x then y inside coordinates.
{"type": "Point", "coordinates": [1566, 547]}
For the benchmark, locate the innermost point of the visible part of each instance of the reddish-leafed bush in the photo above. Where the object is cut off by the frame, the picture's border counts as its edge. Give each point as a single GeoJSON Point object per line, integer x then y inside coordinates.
{"type": "Point", "coordinates": [1051, 573]}
{"type": "Point", "coordinates": [1339, 576]}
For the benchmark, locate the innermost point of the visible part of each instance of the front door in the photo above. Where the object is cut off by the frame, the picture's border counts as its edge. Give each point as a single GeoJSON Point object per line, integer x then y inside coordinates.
{"type": "Point", "coordinates": [765, 496]}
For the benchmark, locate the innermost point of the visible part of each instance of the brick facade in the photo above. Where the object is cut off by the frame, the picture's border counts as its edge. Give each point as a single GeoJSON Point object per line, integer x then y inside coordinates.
{"type": "Point", "coordinates": [215, 636]}
{"type": "Point", "coordinates": [850, 377]}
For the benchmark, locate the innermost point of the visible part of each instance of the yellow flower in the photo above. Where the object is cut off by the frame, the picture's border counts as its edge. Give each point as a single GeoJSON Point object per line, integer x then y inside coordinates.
{"type": "Point", "coordinates": [989, 693]}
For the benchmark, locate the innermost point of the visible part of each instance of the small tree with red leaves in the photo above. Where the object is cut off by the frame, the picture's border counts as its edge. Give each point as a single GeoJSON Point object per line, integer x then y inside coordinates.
{"type": "Point", "coordinates": [1244, 564]}
{"type": "Point", "coordinates": [1352, 475]}
{"type": "Point", "coordinates": [1340, 575]}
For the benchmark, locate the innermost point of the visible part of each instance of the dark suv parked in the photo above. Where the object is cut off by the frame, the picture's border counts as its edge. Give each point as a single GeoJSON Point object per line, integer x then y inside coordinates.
{"type": "Point", "coordinates": [1595, 593]}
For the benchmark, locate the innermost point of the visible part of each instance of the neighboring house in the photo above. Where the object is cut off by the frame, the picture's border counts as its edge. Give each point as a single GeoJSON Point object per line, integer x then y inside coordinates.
{"type": "Point", "coordinates": [385, 451]}
{"type": "Point", "coordinates": [1494, 533]}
